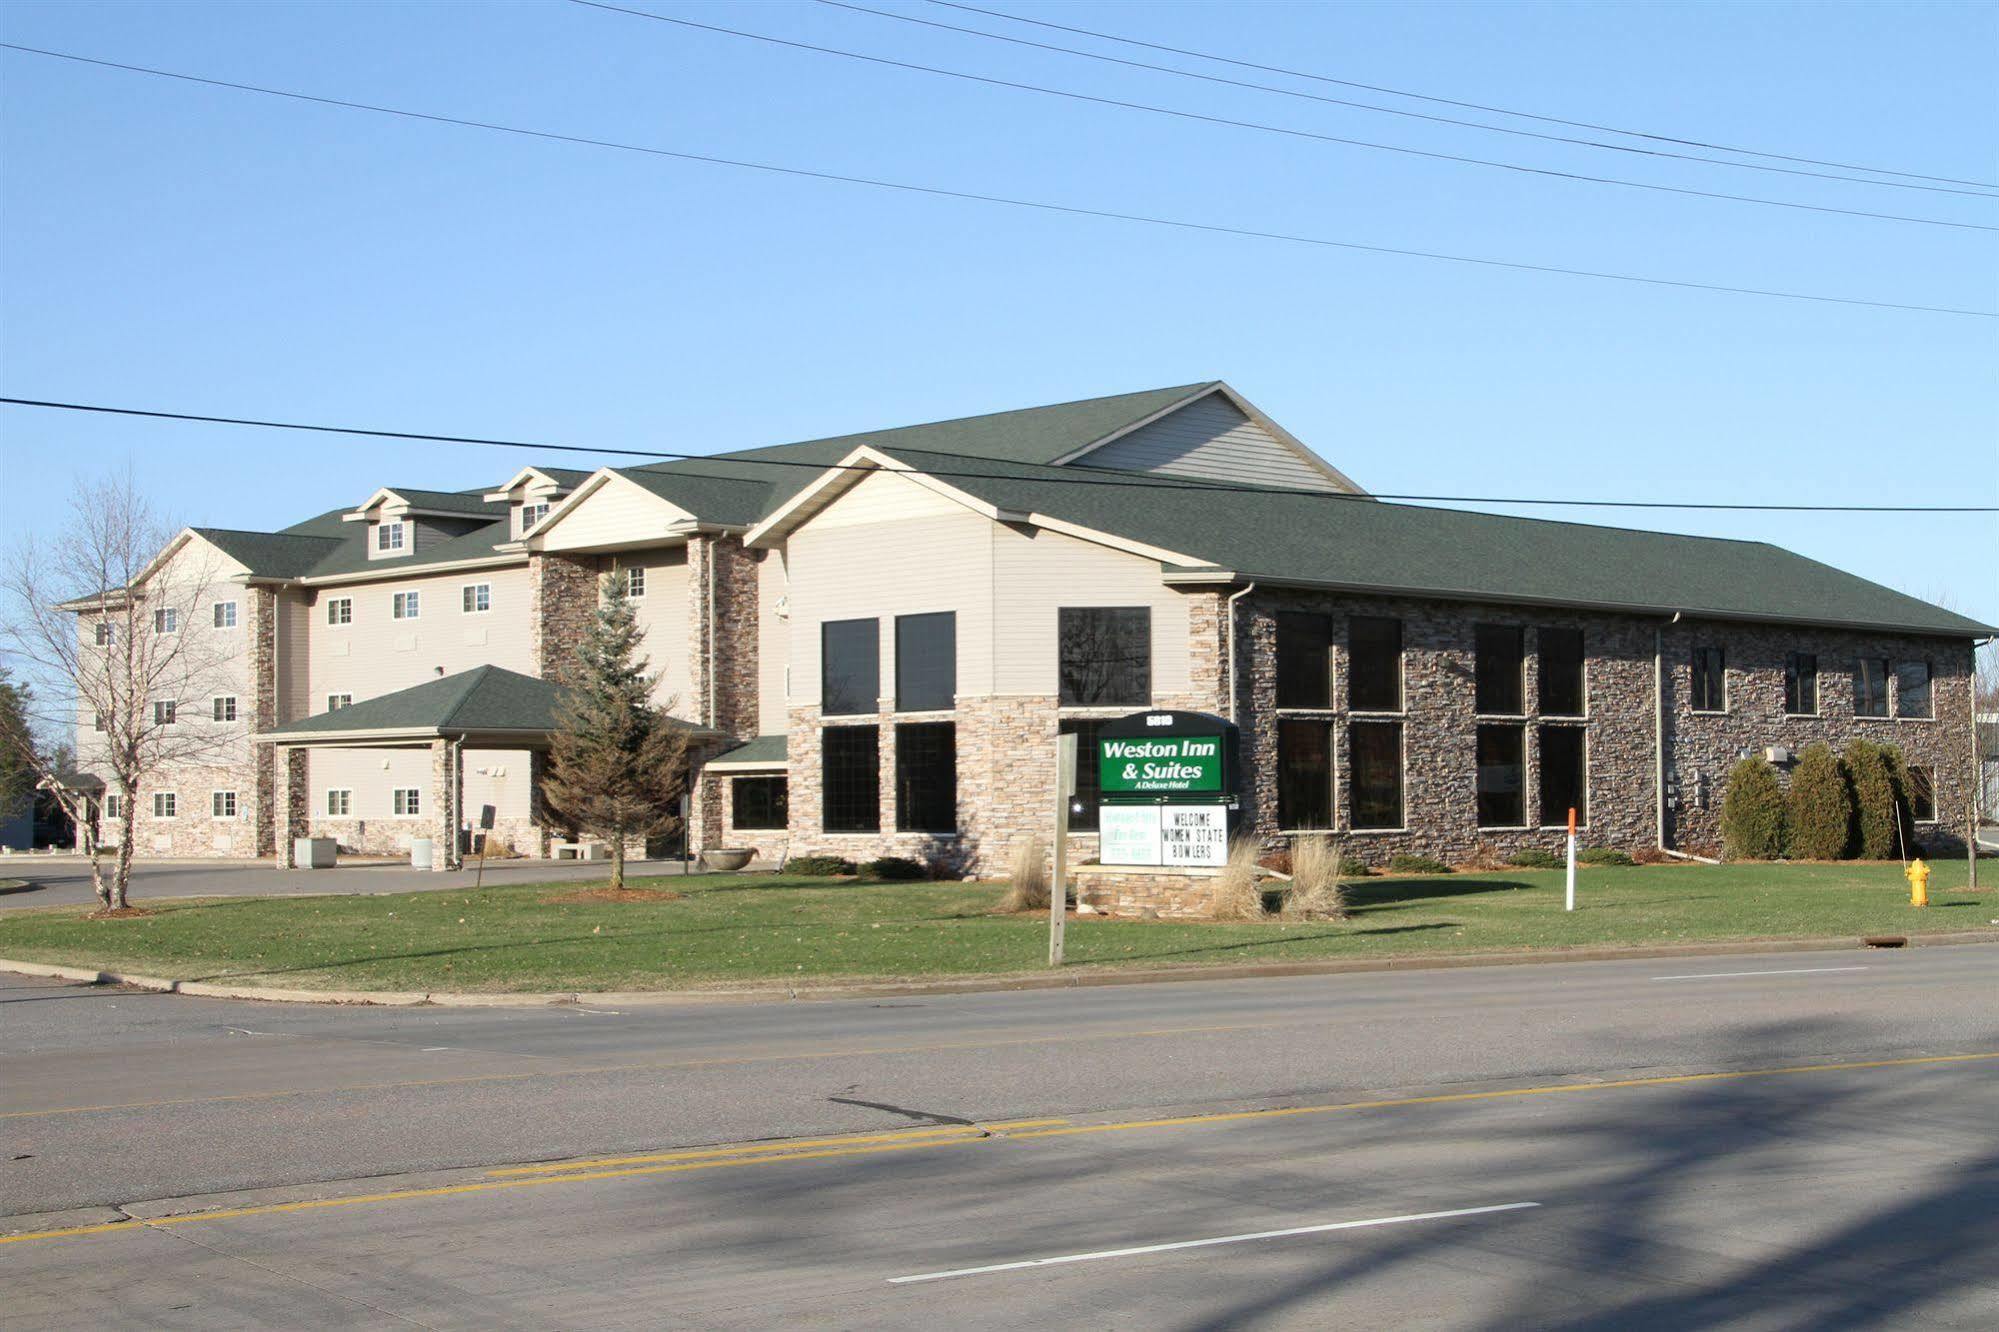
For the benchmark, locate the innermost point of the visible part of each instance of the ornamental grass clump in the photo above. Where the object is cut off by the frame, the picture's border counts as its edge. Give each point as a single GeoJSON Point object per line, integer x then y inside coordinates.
{"type": "Point", "coordinates": [1820, 814]}
{"type": "Point", "coordinates": [1315, 893]}
{"type": "Point", "coordinates": [1238, 894]}
{"type": "Point", "coordinates": [1027, 877]}
{"type": "Point", "coordinates": [1752, 812]}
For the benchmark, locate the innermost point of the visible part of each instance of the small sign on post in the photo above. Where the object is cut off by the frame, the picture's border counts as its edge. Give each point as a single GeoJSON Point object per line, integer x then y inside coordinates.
{"type": "Point", "coordinates": [1571, 905]}
{"type": "Point", "coordinates": [1058, 887]}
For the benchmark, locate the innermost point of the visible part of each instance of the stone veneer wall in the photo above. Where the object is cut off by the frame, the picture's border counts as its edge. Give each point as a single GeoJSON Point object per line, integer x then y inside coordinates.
{"type": "Point", "coordinates": [562, 599]}
{"type": "Point", "coordinates": [263, 713]}
{"type": "Point", "coordinates": [733, 689]}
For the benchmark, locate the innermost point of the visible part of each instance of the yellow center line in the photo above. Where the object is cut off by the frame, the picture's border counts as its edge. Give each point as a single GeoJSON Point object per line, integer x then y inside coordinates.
{"type": "Point", "coordinates": [926, 1141]}
{"type": "Point", "coordinates": [788, 1146]}
{"type": "Point", "coordinates": [720, 1061]}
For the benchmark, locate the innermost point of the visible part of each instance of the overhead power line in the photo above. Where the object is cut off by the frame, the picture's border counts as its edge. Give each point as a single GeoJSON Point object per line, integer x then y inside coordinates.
{"type": "Point", "coordinates": [1402, 111]}
{"type": "Point", "coordinates": [1468, 106]}
{"type": "Point", "coordinates": [1037, 205]}
{"type": "Point", "coordinates": [1129, 482]}
{"type": "Point", "coordinates": [1287, 131]}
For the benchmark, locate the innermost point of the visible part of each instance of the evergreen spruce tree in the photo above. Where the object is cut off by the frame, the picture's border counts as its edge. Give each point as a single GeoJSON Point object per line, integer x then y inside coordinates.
{"type": "Point", "coordinates": [1752, 812]}
{"type": "Point", "coordinates": [1820, 823]}
{"type": "Point", "coordinates": [1873, 800]}
{"type": "Point", "coordinates": [617, 764]}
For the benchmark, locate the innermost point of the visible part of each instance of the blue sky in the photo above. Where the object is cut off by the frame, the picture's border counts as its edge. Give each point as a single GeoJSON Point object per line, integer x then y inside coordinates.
{"type": "Point", "coordinates": [194, 249]}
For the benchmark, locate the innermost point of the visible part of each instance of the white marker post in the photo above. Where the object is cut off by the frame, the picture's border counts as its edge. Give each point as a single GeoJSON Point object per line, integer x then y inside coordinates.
{"type": "Point", "coordinates": [1572, 862]}
{"type": "Point", "coordinates": [1058, 887]}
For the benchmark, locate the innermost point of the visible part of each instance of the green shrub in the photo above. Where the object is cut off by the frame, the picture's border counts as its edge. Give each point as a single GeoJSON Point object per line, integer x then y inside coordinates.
{"type": "Point", "coordinates": [1535, 858]}
{"type": "Point", "coordinates": [1898, 776]}
{"type": "Point", "coordinates": [1873, 801]}
{"type": "Point", "coordinates": [1404, 863]}
{"type": "Point", "coordinates": [896, 868]}
{"type": "Point", "coordinates": [1352, 868]}
{"type": "Point", "coordinates": [819, 865]}
{"type": "Point", "coordinates": [1603, 855]}
{"type": "Point", "coordinates": [1819, 817]}
{"type": "Point", "coordinates": [1752, 812]}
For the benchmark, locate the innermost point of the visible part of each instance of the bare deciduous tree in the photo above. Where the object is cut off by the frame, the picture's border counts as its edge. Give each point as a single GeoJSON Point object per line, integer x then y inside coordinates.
{"type": "Point", "coordinates": [105, 629]}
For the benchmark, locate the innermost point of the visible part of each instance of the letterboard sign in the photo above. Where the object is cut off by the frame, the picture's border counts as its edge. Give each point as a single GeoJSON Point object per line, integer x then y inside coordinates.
{"type": "Point", "coordinates": [1167, 783]}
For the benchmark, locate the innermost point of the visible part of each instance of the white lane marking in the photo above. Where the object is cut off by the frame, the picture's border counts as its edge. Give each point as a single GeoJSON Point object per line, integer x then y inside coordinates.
{"type": "Point", "coordinates": [601, 1012]}
{"type": "Point", "coordinates": [1791, 971]}
{"type": "Point", "coordinates": [1205, 1243]}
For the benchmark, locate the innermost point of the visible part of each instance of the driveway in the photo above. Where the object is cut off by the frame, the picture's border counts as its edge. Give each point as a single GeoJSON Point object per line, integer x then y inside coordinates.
{"type": "Point", "coordinates": [66, 881]}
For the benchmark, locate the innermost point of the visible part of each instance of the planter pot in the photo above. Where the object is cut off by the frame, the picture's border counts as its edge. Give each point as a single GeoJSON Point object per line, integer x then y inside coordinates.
{"type": "Point", "coordinates": [727, 858]}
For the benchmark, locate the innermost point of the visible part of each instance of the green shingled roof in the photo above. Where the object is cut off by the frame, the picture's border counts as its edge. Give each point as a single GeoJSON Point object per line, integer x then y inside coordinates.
{"type": "Point", "coordinates": [270, 554]}
{"type": "Point", "coordinates": [765, 749]}
{"type": "Point", "coordinates": [485, 698]}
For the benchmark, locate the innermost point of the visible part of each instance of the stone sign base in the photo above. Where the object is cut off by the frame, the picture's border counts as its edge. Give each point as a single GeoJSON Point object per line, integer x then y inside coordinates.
{"type": "Point", "coordinates": [1146, 891]}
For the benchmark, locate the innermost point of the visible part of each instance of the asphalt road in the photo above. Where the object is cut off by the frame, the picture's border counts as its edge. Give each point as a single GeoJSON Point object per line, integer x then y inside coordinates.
{"type": "Point", "coordinates": [1677, 1180]}
{"type": "Point", "coordinates": [66, 882]}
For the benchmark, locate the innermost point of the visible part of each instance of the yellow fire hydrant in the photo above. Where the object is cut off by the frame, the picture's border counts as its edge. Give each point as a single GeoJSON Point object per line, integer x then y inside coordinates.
{"type": "Point", "coordinates": [1919, 883]}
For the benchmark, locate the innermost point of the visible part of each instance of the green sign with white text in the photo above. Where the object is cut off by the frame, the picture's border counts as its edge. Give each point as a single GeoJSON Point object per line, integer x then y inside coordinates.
{"type": "Point", "coordinates": [1159, 765]}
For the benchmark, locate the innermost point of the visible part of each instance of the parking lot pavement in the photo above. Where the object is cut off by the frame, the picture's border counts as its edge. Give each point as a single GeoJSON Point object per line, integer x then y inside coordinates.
{"type": "Point", "coordinates": [66, 882]}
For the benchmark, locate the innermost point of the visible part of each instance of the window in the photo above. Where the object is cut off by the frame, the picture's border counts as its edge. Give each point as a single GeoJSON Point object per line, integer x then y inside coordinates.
{"type": "Point", "coordinates": [339, 801]}
{"type": "Point", "coordinates": [405, 605]}
{"type": "Point", "coordinates": [926, 662]}
{"type": "Point", "coordinates": [166, 620]}
{"type": "Point", "coordinates": [166, 805]}
{"type": "Point", "coordinates": [1709, 691]}
{"type": "Point", "coordinates": [335, 702]}
{"type": "Point", "coordinates": [477, 598]}
{"type": "Point", "coordinates": [759, 803]}
{"type": "Point", "coordinates": [1801, 684]}
{"type": "Point", "coordinates": [388, 536]}
{"type": "Point", "coordinates": [96, 721]}
{"type": "Point", "coordinates": [849, 667]}
{"type": "Point", "coordinates": [1499, 671]}
{"type": "Point", "coordinates": [1304, 774]}
{"type": "Point", "coordinates": [1374, 668]}
{"type": "Point", "coordinates": [926, 777]}
{"type": "Point", "coordinates": [165, 712]}
{"type": "Point", "coordinates": [1870, 687]}
{"type": "Point", "coordinates": [1912, 689]}
{"type": "Point", "coordinates": [222, 804]}
{"type": "Point", "coordinates": [1922, 794]}
{"type": "Point", "coordinates": [114, 805]}
{"type": "Point", "coordinates": [1105, 656]}
{"type": "Point", "coordinates": [1561, 682]}
{"type": "Point", "coordinates": [225, 614]}
{"type": "Point", "coordinates": [1089, 780]}
{"type": "Point", "coordinates": [532, 514]}
{"type": "Point", "coordinates": [407, 801]}
{"type": "Point", "coordinates": [224, 706]}
{"type": "Point", "coordinates": [851, 778]}
{"type": "Point", "coordinates": [635, 581]}
{"type": "Point", "coordinates": [1304, 664]}
{"type": "Point", "coordinates": [340, 610]}
{"type": "Point", "coordinates": [1564, 775]}
{"type": "Point", "coordinates": [1502, 776]}
{"type": "Point", "coordinates": [104, 633]}
{"type": "Point", "coordinates": [1376, 787]}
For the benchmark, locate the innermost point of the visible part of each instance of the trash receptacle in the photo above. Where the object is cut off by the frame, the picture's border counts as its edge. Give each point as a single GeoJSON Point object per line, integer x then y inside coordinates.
{"type": "Point", "coordinates": [423, 853]}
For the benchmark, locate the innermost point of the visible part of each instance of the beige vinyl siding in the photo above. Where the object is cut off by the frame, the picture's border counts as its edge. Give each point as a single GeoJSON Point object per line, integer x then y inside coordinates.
{"type": "Point", "coordinates": [1210, 438]}
{"type": "Point", "coordinates": [773, 644]}
{"type": "Point", "coordinates": [917, 552]}
{"type": "Point", "coordinates": [376, 654]}
{"type": "Point", "coordinates": [363, 772]}
{"type": "Point", "coordinates": [294, 643]}
{"type": "Point", "coordinates": [617, 513]}
{"type": "Point", "coordinates": [1036, 572]}
{"type": "Point", "coordinates": [666, 615]}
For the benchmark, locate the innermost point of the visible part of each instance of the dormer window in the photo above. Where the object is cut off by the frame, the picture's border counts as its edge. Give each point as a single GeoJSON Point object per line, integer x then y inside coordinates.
{"type": "Point", "coordinates": [532, 514]}
{"type": "Point", "coordinates": [388, 536]}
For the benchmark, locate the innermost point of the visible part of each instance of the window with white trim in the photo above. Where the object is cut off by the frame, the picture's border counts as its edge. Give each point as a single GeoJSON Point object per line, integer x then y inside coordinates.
{"type": "Point", "coordinates": [165, 713]}
{"type": "Point", "coordinates": [96, 721]}
{"type": "Point", "coordinates": [1922, 794]}
{"type": "Point", "coordinates": [166, 620]}
{"type": "Point", "coordinates": [224, 706]}
{"type": "Point", "coordinates": [477, 598]}
{"type": "Point", "coordinates": [104, 633]}
{"type": "Point", "coordinates": [532, 514]}
{"type": "Point", "coordinates": [1912, 689]}
{"type": "Point", "coordinates": [166, 805]}
{"type": "Point", "coordinates": [339, 801]}
{"type": "Point", "coordinates": [408, 801]}
{"type": "Point", "coordinates": [340, 610]}
{"type": "Point", "coordinates": [335, 702]}
{"type": "Point", "coordinates": [225, 614]}
{"type": "Point", "coordinates": [405, 605]}
{"type": "Point", "coordinates": [388, 536]}
{"type": "Point", "coordinates": [114, 805]}
{"type": "Point", "coordinates": [635, 581]}
{"type": "Point", "coordinates": [222, 804]}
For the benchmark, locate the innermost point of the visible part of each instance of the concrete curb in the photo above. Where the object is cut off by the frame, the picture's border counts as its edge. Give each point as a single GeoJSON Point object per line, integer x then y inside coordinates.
{"type": "Point", "coordinates": [970, 984]}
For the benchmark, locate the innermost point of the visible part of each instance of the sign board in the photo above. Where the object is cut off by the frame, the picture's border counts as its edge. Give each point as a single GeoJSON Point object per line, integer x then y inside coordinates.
{"type": "Point", "coordinates": [1182, 835]}
{"type": "Point", "coordinates": [1159, 765]}
{"type": "Point", "coordinates": [1166, 783]}
{"type": "Point", "coordinates": [1128, 835]}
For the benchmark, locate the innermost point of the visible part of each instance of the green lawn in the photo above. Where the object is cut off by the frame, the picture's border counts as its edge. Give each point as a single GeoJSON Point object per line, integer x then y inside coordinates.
{"type": "Point", "coordinates": [730, 929]}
